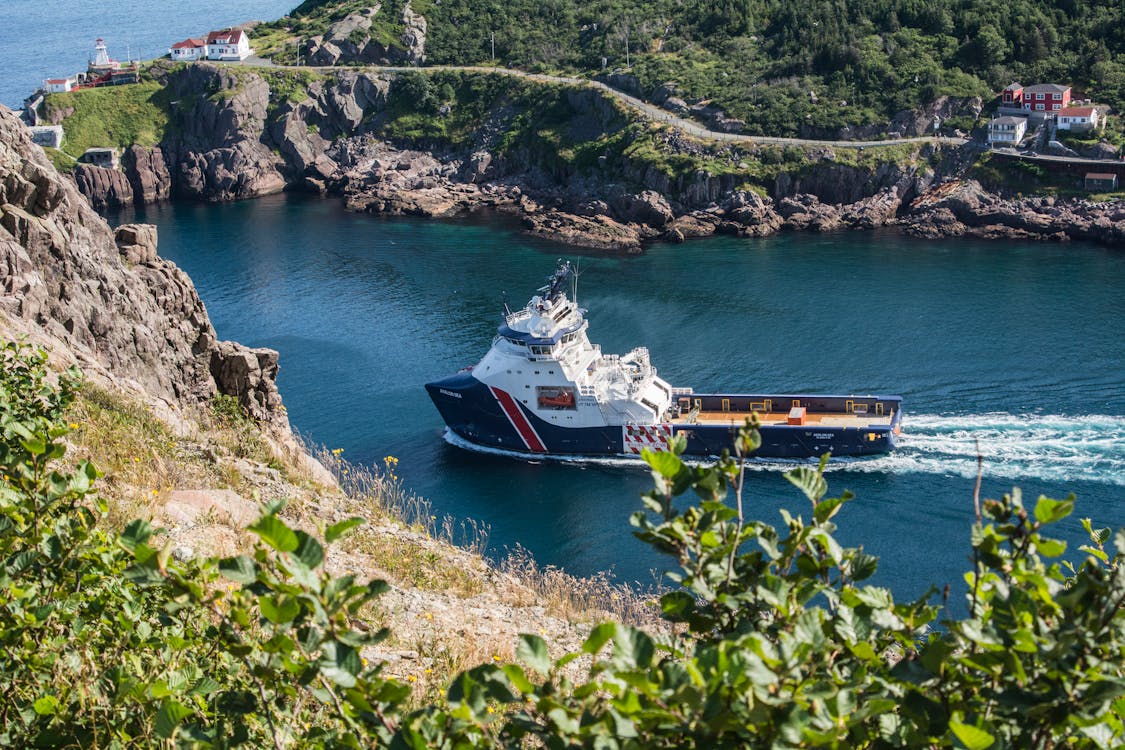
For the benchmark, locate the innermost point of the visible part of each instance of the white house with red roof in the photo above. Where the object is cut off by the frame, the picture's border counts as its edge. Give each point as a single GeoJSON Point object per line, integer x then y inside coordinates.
{"type": "Point", "coordinates": [228, 44]}
{"type": "Point", "coordinates": [60, 85]}
{"type": "Point", "coordinates": [1078, 118]}
{"type": "Point", "coordinates": [188, 50]}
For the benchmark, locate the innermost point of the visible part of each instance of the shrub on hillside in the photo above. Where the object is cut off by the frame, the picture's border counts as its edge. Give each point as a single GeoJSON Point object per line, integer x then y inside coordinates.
{"type": "Point", "coordinates": [108, 641]}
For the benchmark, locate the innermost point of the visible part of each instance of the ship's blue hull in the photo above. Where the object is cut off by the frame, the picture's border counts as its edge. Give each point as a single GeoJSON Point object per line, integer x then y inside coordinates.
{"type": "Point", "coordinates": [489, 418]}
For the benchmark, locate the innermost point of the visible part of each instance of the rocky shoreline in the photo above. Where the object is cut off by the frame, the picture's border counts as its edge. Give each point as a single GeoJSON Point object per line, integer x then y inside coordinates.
{"type": "Point", "coordinates": [244, 141]}
{"type": "Point", "coordinates": [386, 180]}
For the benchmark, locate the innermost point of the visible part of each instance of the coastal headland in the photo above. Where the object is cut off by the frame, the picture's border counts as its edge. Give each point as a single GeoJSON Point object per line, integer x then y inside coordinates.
{"type": "Point", "coordinates": [577, 161]}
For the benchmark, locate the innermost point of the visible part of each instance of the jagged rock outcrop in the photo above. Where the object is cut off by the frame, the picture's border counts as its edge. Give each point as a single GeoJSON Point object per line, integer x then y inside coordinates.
{"type": "Point", "coordinates": [349, 40]}
{"type": "Point", "coordinates": [136, 242]}
{"type": "Point", "coordinates": [647, 207]}
{"type": "Point", "coordinates": [750, 214]}
{"type": "Point", "coordinates": [217, 152]}
{"type": "Point", "coordinates": [106, 298]}
{"type": "Point", "coordinates": [594, 232]}
{"type": "Point", "coordinates": [142, 178]}
{"type": "Point", "coordinates": [104, 187]}
{"type": "Point", "coordinates": [1100, 150]}
{"type": "Point", "coordinates": [965, 208]}
{"type": "Point", "coordinates": [147, 173]}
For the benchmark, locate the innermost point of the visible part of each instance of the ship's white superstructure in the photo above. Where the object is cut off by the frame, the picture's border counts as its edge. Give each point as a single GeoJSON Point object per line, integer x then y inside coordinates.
{"type": "Point", "coordinates": [543, 358]}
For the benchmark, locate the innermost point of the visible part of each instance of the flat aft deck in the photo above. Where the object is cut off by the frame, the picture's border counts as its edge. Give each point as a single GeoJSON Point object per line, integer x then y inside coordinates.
{"type": "Point", "coordinates": [824, 419]}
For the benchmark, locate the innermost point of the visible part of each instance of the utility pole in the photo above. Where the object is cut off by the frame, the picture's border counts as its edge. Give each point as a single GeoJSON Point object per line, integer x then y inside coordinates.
{"type": "Point", "coordinates": [493, 35]}
{"type": "Point", "coordinates": [626, 44]}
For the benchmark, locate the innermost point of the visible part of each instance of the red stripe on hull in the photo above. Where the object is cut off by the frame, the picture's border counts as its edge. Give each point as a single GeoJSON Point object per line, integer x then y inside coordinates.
{"type": "Point", "coordinates": [519, 421]}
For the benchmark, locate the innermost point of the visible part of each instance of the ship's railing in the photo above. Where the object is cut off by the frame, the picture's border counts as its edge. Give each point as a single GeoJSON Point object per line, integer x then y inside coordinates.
{"type": "Point", "coordinates": [517, 316]}
{"type": "Point", "coordinates": [682, 391]}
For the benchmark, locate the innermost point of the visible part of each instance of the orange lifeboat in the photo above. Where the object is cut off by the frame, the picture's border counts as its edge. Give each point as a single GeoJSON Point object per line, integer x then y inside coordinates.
{"type": "Point", "coordinates": [560, 399]}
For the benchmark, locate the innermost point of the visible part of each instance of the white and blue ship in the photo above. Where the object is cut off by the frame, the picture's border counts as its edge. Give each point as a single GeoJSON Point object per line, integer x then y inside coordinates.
{"type": "Point", "coordinates": [544, 389]}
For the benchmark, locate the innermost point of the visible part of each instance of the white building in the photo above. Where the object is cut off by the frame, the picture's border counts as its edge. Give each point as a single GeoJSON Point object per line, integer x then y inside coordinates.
{"type": "Point", "coordinates": [1007, 131]}
{"type": "Point", "coordinates": [60, 85]}
{"type": "Point", "coordinates": [188, 50]}
{"type": "Point", "coordinates": [1078, 118]}
{"type": "Point", "coordinates": [101, 62]}
{"type": "Point", "coordinates": [228, 44]}
{"type": "Point", "coordinates": [47, 135]}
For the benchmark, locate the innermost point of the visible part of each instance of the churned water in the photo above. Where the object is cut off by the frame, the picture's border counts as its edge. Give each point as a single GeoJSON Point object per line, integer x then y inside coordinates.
{"type": "Point", "coordinates": [1015, 347]}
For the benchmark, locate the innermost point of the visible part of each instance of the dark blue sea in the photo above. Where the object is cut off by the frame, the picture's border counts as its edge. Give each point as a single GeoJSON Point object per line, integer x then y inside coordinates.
{"type": "Point", "coordinates": [1017, 347]}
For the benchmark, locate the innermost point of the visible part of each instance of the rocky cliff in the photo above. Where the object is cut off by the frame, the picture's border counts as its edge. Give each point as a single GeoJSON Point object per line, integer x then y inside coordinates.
{"type": "Point", "coordinates": [572, 162]}
{"type": "Point", "coordinates": [106, 299]}
{"type": "Point", "coordinates": [966, 209]}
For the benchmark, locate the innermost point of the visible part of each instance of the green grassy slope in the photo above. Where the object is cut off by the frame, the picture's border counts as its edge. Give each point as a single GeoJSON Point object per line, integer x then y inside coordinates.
{"type": "Point", "coordinates": [779, 63]}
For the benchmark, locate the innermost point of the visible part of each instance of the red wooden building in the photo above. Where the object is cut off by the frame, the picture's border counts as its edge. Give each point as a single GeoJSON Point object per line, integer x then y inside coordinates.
{"type": "Point", "coordinates": [1042, 97]}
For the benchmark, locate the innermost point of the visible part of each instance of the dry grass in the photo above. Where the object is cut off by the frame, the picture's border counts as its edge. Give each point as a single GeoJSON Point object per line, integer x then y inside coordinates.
{"type": "Point", "coordinates": [450, 608]}
{"type": "Point", "coordinates": [138, 454]}
{"type": "Point", "coordinates": [576, 599]}
{"type": "Point", "coordinates": [432, 566]}
{"type": "Point", "coordinates": [385, 491]}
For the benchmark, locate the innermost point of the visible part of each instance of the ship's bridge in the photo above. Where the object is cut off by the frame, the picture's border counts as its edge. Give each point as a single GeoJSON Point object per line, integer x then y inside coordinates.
{"type": "Point", "coordinates": [544, 324]}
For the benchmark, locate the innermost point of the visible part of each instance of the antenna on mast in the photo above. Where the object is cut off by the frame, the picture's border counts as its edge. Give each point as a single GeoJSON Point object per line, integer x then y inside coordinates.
{"type": "Point", "coordinates": [507, 310]}
{"type": "Point", "coordinates": [577, 273]}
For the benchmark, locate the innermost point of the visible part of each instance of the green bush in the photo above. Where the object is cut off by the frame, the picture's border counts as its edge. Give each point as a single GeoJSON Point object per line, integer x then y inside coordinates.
{"type": "Point", "coordinates": [110, 641]}
{"type": "Point", "coordinates": [762, 60]}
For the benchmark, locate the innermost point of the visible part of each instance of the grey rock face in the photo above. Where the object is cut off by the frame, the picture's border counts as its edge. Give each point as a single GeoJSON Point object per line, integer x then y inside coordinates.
{"type": "Point", "coordinates": [647, 207]}
{"type": "Point", "coordinates": [137, 242]}
{"type": "Point", "coordinates": [967, 209]}
{"type": "Point", "coordinates": [147, 174]}
{"type": "Point", "coordinates": [108, 298]}
{"type": "Point", "coordinates": [413, 36]}
{"type": "Point", "coordinates": [349, 41]}
{"type": "Point", "coordinates": [218, 152]}
{"type": "Point", "coordinates": [105, 188]}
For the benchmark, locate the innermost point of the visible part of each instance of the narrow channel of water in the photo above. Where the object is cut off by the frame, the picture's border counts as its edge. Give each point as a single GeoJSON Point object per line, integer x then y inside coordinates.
{"type": "Point", "coordinates": [1015, 345]}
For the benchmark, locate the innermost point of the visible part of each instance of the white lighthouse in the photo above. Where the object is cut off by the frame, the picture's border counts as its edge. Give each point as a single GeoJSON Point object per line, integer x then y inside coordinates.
{"type": "Point", "coordinates": [100, 61]}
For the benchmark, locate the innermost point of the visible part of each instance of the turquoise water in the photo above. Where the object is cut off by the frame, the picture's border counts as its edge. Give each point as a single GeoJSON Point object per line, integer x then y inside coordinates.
{"type": "Point", "coordinates": [55, 38]}
{"type": "Point", "coordinates": [1015, 345]}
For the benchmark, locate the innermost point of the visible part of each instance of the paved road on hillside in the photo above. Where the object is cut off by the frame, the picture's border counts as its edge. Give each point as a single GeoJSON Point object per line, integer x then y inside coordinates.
{"type": "Point", "coordinates": [694, 128]}
{"type": "Point", "coordinates": [656, 113]}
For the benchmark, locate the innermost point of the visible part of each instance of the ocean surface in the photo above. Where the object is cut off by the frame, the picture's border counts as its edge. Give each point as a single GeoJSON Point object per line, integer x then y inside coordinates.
{"type": "Point", "coordinates": [1017, 347]}
{"type": "Point", "coordinates": [55, 38]}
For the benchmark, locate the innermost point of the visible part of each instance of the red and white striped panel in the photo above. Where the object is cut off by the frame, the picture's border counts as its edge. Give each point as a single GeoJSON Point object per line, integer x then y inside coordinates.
{"type": "Point", "coordinates": [520, 422]}
{"type": "Point", "coordinates": [638, 436]}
